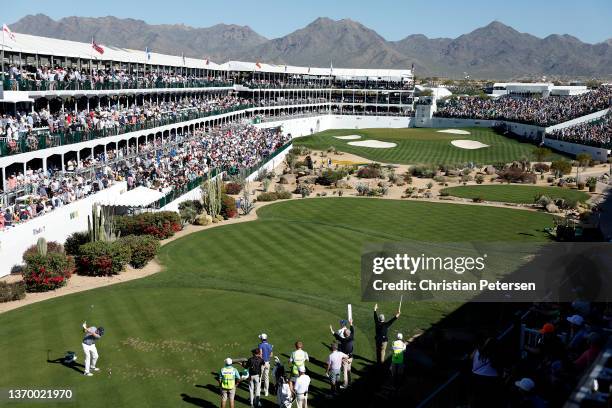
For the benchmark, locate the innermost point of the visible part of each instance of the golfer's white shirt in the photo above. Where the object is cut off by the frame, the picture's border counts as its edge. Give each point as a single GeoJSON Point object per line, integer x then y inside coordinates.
{"type": "Point", "coordinates": [301, 384]}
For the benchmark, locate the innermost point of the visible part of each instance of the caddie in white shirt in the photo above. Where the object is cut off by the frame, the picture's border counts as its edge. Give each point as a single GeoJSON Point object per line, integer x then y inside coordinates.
{"type": "Point", "coordinates": [92, 334]}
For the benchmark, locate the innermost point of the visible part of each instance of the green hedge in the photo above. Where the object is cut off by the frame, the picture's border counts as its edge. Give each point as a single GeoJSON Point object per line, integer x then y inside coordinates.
{"type": "Point", "coordinates": [74, 242]}
{"type": "Point", "coordinates": [143, 248]}
{"type": "Point", "coordinates": [103, 258]}
{"type": "Point", "coordinates": [12, 291]}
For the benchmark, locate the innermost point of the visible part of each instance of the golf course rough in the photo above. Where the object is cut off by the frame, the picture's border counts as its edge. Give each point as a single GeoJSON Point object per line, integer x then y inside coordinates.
{"type": "Point", "coordinates": [289, 274]}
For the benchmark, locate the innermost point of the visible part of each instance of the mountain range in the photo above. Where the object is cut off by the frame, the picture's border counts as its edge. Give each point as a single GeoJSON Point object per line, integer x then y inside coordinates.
{"type": "Point", "coordinates": [495, 51]}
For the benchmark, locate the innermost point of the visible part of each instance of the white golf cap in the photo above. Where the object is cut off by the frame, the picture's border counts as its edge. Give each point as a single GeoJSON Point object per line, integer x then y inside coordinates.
{"type": "Point", "coordinates": [576, 319]}
{"type": "Point", "coordinates": [525, 384]}
{"type": "Point", "coordinates": [263, 336]}
{"type": "Point", "coordinates": [228, 361]}
{"type": "Point", "coordinates": [400, 336]}
{"type": "Point", "coordinates": [302, 369]}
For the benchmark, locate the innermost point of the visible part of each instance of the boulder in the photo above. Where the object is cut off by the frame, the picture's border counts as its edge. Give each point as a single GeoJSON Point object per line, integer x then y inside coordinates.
{"type": "Point", "coordinates": [342, 183]}
{"type": "Point", "coordinates": [287, 179]}
{"type": "Point", "coordinates": [552, 208]}
{"type": "Point", "coordinates": [490, 170]}
{"type": "Point", "coordinates": [307, 180]}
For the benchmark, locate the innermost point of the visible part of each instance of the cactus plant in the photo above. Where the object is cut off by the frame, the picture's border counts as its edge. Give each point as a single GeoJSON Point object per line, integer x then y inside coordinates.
{"type": "Point", "coordinates": [41, 246]}
{"type": "Point", "coordinates": [101, 225]}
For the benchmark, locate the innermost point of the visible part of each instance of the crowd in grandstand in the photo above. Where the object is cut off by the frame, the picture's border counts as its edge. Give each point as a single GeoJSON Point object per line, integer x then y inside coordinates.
{"type": "Point", "coordinates": [48, 78]}
{"type": "Point", "coordinates": [536, 111]}
{"type": "Point", "coordinates": [594, 133]}
{"type": "Point", "coordinates": [163, 168]}
{"type": "Point", "coordinates": [112, 117]}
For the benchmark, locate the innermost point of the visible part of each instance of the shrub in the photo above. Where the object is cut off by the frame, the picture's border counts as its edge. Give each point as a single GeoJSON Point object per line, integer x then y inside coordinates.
{"type": "Point", "coordinates": [422, 171]}
{"type": "Point", "coordinates": [303, 190]}
{"type": "Point", "coordinates": [444, 193]}
{"type": "Point", "coordinates": [228, 207]}
{"type": "Point", "coordinates": [269, 196]}
{"type": "Point", "coordinates": [541, 167]}
{"type": "Point", "coordinates": [12, 291]}
{"type": "Point", "coordinates": [440, 179]}
{"type": "Point", "coordinates": [74, 241]}
{"type": "Point", "coordinates": [542, 200]}
{"type": "Point", "coordinates": [143, 248]}
{"type": "Point", "coordinates": [103, 258]}
{"type": "Point", "coordinates": [329, 177]}
{"type": "Point", "coordinates": [362, 189]}
{"type": "Point", "coordinates": [195, 204]}
{"type": "Point", "coordinates": [283, 195]}
{"type": "Point", "coordinates": [52, 247]}
{"type": "Point", "coordinates": [46, 272]}
{"type": "Point", "coordinates": [161, 224]}
{"type": "Point", "coordinates": [580, 185]}
{"type": "Point", "coordinates": [371, 170]}
{"type": "Point", "coordinates": [233, 188]}
{"type": "Point", "coordinates": [478, 199]}
{"type": "Point", "coordinates": [263, 175]}
{"type": "Point", "coordinates": [188, 215]}
{"type": "Point", "coordinates": [516, 175]}
{"type": "Point", "coordinates": [479, 179]}
{"type": "Point", "coordinates": [407, 177]}
{"type": "Point", "coordinates": [561, 167]}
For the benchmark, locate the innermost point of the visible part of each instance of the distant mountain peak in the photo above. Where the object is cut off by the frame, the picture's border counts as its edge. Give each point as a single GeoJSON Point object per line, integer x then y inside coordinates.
{"type": "Point", "coordinates": [495, 51]}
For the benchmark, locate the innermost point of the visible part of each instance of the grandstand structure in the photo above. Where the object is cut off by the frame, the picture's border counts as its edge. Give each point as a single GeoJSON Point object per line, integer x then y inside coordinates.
{"type": "Point", "coordinates": [67, 108]}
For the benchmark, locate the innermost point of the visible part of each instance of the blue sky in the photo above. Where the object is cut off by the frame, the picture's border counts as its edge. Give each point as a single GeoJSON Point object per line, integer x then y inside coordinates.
{"type": "Point", "coordinates": [589, 20]}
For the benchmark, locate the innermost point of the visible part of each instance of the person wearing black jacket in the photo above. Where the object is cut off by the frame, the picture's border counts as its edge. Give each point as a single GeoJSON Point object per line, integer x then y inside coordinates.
{"type": "Point", "coordinates": [382, 329]}
{"type": "Point", "coordinates": [345, 344]}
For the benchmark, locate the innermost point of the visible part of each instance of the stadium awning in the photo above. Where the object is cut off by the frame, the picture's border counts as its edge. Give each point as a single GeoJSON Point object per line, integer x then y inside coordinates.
{"type": "Point", "coordinates": [138, 197]}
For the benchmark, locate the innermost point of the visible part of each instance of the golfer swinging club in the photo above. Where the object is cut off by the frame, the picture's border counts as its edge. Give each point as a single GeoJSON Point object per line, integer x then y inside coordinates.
{"type": "Point", "coordinates": [92, 334]}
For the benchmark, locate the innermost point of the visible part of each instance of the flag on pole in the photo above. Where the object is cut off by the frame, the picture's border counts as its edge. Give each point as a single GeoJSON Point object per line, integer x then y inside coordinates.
{"type": "Point", "coordinates": [8, 32]}
{"type": "Point", "coordinates": [309, 70]}
{"type": "Point", "coordinates": [207, 61]}
{"type": "Point", "coordinates": [183, 57]}
{"type": "Point", "coordinates": [148, 52]}
{"type": "Point", "coordinates": [258, 65]}
{"type": "Point", "coordinates": [331, 67]}
{"type": "Point", "coordinates": [99, 49]}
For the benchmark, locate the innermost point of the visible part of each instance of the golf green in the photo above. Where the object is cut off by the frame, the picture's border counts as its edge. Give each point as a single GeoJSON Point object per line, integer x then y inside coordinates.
{"type": "Point", "coordinates": [424, 146]}
{"type": "Point", "coordinates": [290, 274]}
{"type": "Point", "coordinates": [515, 193]}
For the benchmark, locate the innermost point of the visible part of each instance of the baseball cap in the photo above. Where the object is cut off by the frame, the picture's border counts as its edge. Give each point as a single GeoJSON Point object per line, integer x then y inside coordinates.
{"type": "Point", "coordinates": [263, 336]}
{"type": "Point", "coordinates": [547, 328]}
{"type": "Point", "coordinates": [525, 384]}
{"type": "Point", "coordinates": [228, 361]}
{"type": "Point", "coordinates": [302, 369]}
{"type": "Point", "coordinates": [400, 336]}
{"type": "Point", "coordinates": [576, 319]}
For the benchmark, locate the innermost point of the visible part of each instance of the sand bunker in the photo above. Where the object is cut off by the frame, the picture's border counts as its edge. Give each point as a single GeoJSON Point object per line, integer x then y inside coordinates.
{"type": "Point", "coordinates": [468, 144]}
{"type": "Point", "coordinates": [376, 144]}
{"type": "Point", "coordinates": [454, 131]}
{"type": "Point", "coordinates": [349, 137]}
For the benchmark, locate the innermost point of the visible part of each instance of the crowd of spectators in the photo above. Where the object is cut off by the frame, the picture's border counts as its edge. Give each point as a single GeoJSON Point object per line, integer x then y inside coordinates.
{"type": "Point", "coordinates": [534, 111]}
{"type": "Point", "coordinates": [27, 125]}
{"type": "Point", "coordinates": [596, 133]}
{"type": "Point", "coordinates": [58, 78]}
{"type": "Point", "coordinates": [568, 339]}
{"type": "Point", "coordinates": [161, 167]}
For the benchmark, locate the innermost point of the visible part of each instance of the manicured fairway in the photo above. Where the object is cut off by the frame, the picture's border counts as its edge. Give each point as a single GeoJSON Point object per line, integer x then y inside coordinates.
{"type": "Point", "coordinates": [424, 146]}
{"type": "Point", "coordinates": [290, 274]}
{"type": "Point", "coordinates": [515, 193]}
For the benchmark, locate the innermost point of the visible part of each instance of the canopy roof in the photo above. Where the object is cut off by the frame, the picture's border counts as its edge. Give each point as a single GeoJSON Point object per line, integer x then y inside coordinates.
{"type": "Point", "coordinates": [33, 44]}
{"type": "Point", "coordinates": [138, 197]}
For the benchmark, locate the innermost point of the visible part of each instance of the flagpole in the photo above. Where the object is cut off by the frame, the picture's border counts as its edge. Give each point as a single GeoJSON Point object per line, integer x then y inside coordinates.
{"type": "Point", "coordinates": [2, 57]}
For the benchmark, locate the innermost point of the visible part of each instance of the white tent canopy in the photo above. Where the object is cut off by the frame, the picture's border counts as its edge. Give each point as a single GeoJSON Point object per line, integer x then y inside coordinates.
{"type": "Point", "coordinates": [138, 197]}
{"type": "Point", "coordinates": [33, 44]}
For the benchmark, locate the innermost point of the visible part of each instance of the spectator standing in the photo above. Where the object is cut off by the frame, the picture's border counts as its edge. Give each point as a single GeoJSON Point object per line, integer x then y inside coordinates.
{"type": "Point", "coordinates": [345, 345]}
{"type": "Point", "coordinates": [382, 329]}
{"type": "Point", "coordinates": [254, 365]}
{"type": "Point", "coordinates": [334, 365]}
